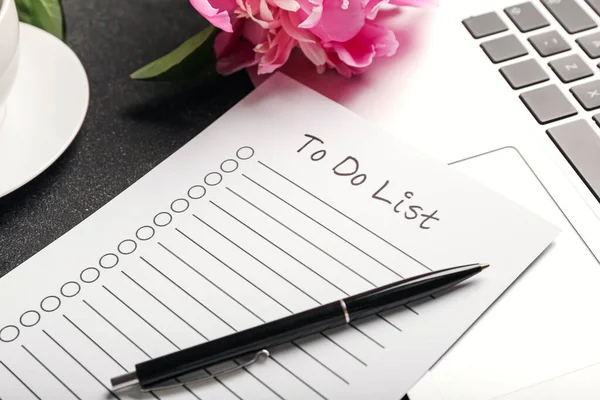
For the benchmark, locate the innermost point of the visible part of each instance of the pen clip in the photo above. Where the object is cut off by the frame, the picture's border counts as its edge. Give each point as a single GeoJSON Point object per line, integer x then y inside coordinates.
{"type": "Point", "coordinates": [261, 354]}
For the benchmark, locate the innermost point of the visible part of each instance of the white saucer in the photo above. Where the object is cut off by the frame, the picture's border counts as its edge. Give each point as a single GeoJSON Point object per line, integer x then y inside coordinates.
{"type": "Point", "coordinates": [45, 109]}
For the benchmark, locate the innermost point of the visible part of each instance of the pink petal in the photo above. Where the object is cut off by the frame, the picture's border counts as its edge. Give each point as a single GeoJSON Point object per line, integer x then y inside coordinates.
{"type": "Point", "coordinates": [290, 22]}
{"type": "Point", "coordinates": [265, 12]}
{"type": "Point", "coordinates": [270, 24]}
{"type": "Point", "coordinates": [372, 8]}
{"type": "Point", "coordinates": [371, 41]}
{"type": "Point", "coordinates": [242, 56]}
{"type": "Point", "coordinates": [252, 6]}
{"type": "Point", "coordinates": [253, 32]}
{"type": "Point", "coordinates": [262, 48]}
{"type": "Point", "coordinates": [313, 18]}
{"type": "Point", "coordinates": [288, 5]}
{"type": "Point", "coordinates": [338, 24]}
{"type": "Point", "coordinates": [340, 66]}
{"type": "Point", "coordinates": [314, 52]}
{"type": "Point", "coordinates": [278, 54]}
{"type": "Point", "coordinates": [224, 42]}
{"type": "Point", "coordinates": [311, 11]}
{"type": "Point", "coordinates": [220, 16]}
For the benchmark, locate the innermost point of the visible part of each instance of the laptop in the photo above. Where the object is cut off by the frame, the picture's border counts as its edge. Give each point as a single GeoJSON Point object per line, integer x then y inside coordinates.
{"type": "Point", "coordinates": [508, 92]}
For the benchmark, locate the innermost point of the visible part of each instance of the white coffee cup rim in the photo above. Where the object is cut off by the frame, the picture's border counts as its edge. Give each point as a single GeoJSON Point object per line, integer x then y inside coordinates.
{"type": "Point", "coordinates": [3, 8]}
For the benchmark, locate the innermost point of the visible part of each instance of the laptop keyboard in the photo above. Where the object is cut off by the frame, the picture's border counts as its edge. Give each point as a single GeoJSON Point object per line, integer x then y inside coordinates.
{"type": "Point", "coordinates": [564, 51]}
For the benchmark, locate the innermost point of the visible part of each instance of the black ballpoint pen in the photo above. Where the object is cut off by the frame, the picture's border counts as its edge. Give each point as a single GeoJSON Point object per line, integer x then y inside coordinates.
{"type": "Point", "coordinates": [152, 374]}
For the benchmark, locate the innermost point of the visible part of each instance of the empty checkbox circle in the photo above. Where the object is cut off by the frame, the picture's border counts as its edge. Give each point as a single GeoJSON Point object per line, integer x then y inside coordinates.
{"type": "Point", "coordinates": [70, 289]}
{"type": "Point", "coordinates": [228, 166]}
{"type": "Point", "coordinates": [89, 275]}
{"type": "Point", "coordinates": [180, 205]}
{"type": "Point", "coordinates": [145, 233]}
{"type": "Point", "coordinates": [30, 318]}
{"type": "Point", "coordinates": [109, 261]}
{"type": "Point", "coordinates": [213, 179]}
{"type": "Point", "coordinates": [245, 153]}
{"type": "Point", "coordinates": [9, 333]}
{"type": "Point", "coordinates": [127, 246]}
{"type": "Point", "coordinates": [196, 192]}
{"type": "Point", "coordinates": [162, 219]}
{"type": "Point", "coordinates": [50, 303]}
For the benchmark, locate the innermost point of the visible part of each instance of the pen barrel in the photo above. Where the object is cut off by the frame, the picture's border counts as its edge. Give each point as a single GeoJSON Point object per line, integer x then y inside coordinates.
{"type": "Point", "coordinates": [412, 289]}
{"type": "Point", "coordinates": [250, 341]}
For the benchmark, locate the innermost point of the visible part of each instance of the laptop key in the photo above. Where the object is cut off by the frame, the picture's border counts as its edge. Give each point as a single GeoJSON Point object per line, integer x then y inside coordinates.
{"type": "Point", "coordinates": [570, 68]}
{"type": "Point", "coordinates": [588, 95]}
{"type": "Point", "coordinates": [547, 104]}
{"type": "Point", "coordinates": [484, 25]}
{"type": "Point", "coordinates": [503, 49]}
{"type": "Point", "coordinates": [580, 145]}
{"type": "Point", "coordinates": [590, 44]}
{"type": "Point", "coordinates": [523, 74]}
{"type": "Point", "coordinates": [570, 15]}
{"type": "Point", "coordinates": [595, 4]}
{"type": "Point", "coordinates": [526, 17]}
{"type": "Point", "coordinates": [549, 43]}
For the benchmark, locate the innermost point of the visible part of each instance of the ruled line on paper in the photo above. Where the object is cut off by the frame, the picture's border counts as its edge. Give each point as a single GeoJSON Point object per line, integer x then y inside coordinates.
{"type": "Point", "coordinates": [319, 248]}
{"type": "Point", "coordinates": [188, 294]}
{"type": "Point", "coordinates": [297, 377]}
{"type": "Point", "coordinates": [50, 371]}
{"type": "Point", "coordinates": [95, 343]}
{"type": "Point", "coordinates": [411, 309]}
{"type": "Point", "coordinates": [230, 267]}
{"type": "Point", "coordinates": [389, 322]}
{"type": "Point", "coordinates": [142, 318]}
{"type": "Point", "coordinates": [323, 226]}
{"type": "Point", "coordinates": [20, 380]}
{"type": "Point", "coordinates": [291, 256]}
{"type": "Point", "coordinates": [320, 362]}
{"type": "Point", "coordinates": [344, 214]}
{"type": "Point", "coordinates": [343, 349]}
{"type": "Point", "coordinates": [115, 328]}
{"type": "Point", "coordinates": [81, 365]}
{"type": "Point", "coordinates": [123, 335]}
{"type": "Point", "coordinates": [274, 245]}
{"type": "Point", "coordinates": [353, 326]}
{"type": "Point", "coordinates": [228, 388]}
{"type": "Point", "coordinates": [263, 383]}
{"type": "Point", "coordinates": [164, 305]}
{"type": "Point", "coordinates": [187, 264]}
{"type": "Point", "coordinates": [185, 387]}
{"type": "Point", "coordinates": [289, 229]}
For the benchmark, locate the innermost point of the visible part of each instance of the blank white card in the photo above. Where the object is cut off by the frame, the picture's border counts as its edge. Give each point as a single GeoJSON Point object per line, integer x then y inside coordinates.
{"type": "Point", "coordinates": [286, 202]}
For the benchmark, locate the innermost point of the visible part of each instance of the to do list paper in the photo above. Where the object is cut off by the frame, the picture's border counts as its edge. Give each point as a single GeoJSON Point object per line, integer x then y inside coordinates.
{"type": "Point", "coordinates": [287, 202]}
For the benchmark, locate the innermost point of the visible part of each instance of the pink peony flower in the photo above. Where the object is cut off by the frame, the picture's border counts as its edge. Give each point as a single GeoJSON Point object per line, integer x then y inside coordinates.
{"type": "Point", "coordinates": [336, 34]}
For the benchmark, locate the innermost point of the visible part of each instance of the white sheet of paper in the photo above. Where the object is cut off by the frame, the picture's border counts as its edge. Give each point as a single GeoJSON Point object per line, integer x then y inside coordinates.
{"type": "Point", "coordinates": [247, 223]}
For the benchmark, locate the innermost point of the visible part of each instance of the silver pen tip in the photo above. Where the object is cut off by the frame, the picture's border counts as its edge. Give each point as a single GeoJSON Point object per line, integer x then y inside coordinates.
{"type": "Point", "coordinates": [484, 266]}
{"type": "Point", "coordinates": [125, 381]}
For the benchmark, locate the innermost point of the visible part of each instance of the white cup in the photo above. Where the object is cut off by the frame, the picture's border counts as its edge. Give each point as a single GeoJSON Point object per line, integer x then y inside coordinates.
{"type": "Point", "coordinates": [9, 50]}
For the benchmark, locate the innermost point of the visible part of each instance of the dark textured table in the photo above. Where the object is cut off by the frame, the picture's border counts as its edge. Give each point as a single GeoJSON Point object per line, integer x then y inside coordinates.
{"type": "Point", "coordinates": [130, 126]}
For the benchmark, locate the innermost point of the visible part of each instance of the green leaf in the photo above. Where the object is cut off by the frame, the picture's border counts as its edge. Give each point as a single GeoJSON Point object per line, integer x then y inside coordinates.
{"type": "Point", "coordinates": [184, 62]}
{"type": "Point", "coordinates": [45, 14]}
